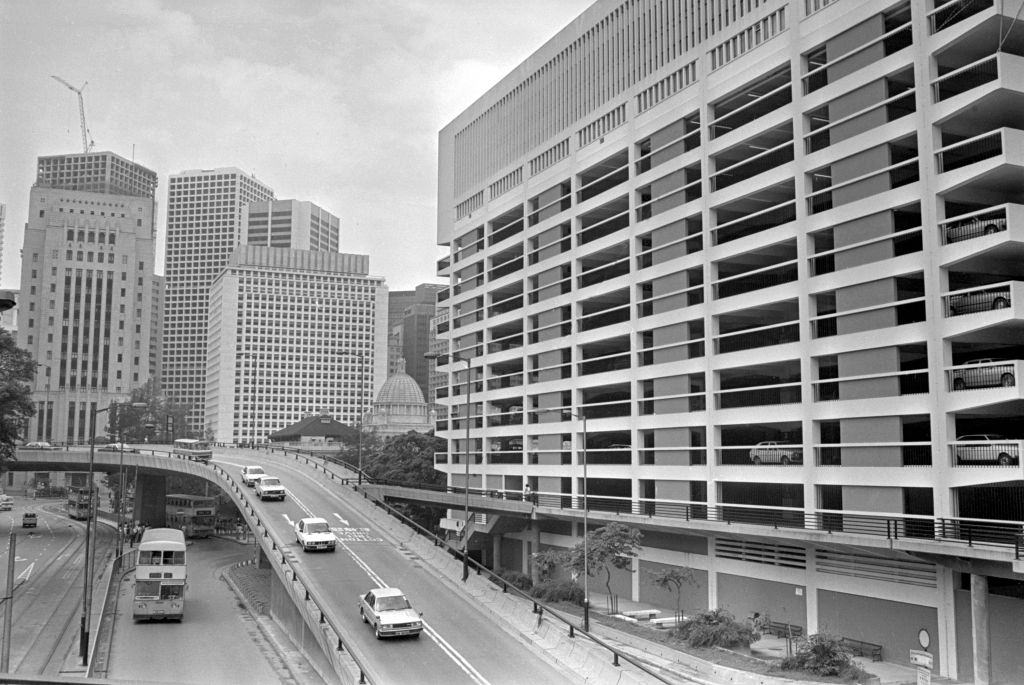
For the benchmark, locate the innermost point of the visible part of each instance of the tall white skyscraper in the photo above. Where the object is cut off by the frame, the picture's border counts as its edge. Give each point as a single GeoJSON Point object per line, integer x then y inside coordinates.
{"type": "Point", "coordinates": [297, 224]}
{"type": "Point", "coordinates": [204, 225]}
{"type": "Point", "coordinates": [86, 288]}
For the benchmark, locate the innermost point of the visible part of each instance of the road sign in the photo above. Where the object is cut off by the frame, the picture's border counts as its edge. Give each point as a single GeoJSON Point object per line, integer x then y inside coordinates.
{"type": "Point", "coordinates": [919, 658]}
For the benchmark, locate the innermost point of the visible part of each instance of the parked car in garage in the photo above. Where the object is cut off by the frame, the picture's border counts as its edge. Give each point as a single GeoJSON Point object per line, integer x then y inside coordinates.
{"type": "Point", "coordinates": [771, 452]}
{"type": "Point", "coordinates": [984, 373]}
{"type": "Point", "coordinates": [974, 227]}
{"type": "Point", "coordinates": [388, 611]}
{"type": "Point", "coordinates": [986, 448]}
{"type": "Point", "coordinates": [315, 534]}
{"type": "Point", "coordinates": [979, 301]}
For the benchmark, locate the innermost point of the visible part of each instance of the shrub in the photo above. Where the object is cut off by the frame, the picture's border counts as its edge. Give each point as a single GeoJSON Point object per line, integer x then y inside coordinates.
{"type": "Point", "coordinates": [558, 591]}
{"type": "Point", "coordinates": [822, 654]}
{"type": "Point", "coordinates": [716, 628]}
{"type": "Point", "coordinates": [516, 580]}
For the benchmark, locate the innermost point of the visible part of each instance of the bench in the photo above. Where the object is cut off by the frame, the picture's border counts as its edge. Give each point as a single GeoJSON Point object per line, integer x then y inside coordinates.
{"type": "Point", "coordinates": [642, 614]}
{"type": "Point", "coordinates": [862, 648]}
{"type": "Point", "coordinates": [664, 622]}
{"type": "Point", "coordinates": [782, 629]}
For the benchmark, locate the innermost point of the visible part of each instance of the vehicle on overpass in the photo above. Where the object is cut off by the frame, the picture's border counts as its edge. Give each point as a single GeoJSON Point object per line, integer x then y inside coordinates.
{"type": "Point", "coordinates": [250, 474]}
{"type": "Point", "coordinates": [38, 445]}
{"type": "Point", "coordinates": [78, 503]}
{"type": "Point", "coordinates": [315, 534]}
{"type": "Point", "coordinates": [160, 576]}
{"type": "Point", "coordinates": [388, 611]}
{"type": "Point", "coordinates": [190, 448]}
{"type": "Point", "coordinates": [118, 447]}
{"type": "Point", "coordinates": [194, 515]}
{"type": "Point", "coordinates": [269, 487]}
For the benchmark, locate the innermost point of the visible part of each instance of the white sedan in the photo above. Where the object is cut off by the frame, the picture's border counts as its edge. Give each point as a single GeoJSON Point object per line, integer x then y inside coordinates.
{"type": "Point", "coordinates": [389, 612]}
{"type": "Point", "coordinates": [314, 534]}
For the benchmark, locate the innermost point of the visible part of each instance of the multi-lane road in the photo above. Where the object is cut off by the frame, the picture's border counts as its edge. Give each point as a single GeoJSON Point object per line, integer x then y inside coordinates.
{"type": "Point", "coordinates": [459, 644]}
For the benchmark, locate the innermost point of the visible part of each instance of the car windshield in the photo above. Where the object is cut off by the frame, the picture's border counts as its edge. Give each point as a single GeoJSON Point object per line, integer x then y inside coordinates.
{"type": "Point", "coordinates": [270, 481]}
{"type": "Point", "coordinates": [319, 527]}
{"type": "Point", "coordinates": [255, 470]}
{"type": "Point", "coordinates": [392, 603]}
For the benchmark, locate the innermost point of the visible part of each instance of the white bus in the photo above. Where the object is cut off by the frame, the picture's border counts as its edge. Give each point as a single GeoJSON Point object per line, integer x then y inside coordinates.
{"type": "Point", "coordinates": [199, 450]}
{"type": "Point", "coordinates": [160, 575]}
{"type": "Point", "coordinates": [194, 515]}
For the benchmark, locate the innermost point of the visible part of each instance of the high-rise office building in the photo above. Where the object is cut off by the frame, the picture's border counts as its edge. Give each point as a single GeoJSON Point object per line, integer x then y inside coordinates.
{"type": "Point", "coordinates": [204, 226]}
{"type": "Point", "coordinates": [410, 332]}
{"type": "Point", "coordinates": [297, 224]}
{"type": "Point", "coordinates": [292, 333]}
{"type": "Point", "coordinates": [757, 263]}
{"type": "Point", "coordinates": [86, 288]}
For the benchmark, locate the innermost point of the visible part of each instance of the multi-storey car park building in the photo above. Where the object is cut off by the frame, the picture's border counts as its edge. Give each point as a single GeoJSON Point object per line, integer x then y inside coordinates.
{"type": "Point", "coordinates": [292, 333]}
{"type": "Point", "coordinates": [87, 288]}
{"type": "Point", "coordinates": [758, 262]}
{"type": "Point", "coordinates": [204, 225]}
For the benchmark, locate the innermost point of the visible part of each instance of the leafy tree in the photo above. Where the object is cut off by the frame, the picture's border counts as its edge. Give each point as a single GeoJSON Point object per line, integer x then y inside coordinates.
{"type": "Point", "coordinates": [17, 369]}
{"type": "Point", "coordinates": [150, 424]}
{"type": "Point", "coordinates": [407, 458]}
{"type": "Point", "coordinates": [611, 546]}
{"type": "Point", "coordinates": [673, 579]}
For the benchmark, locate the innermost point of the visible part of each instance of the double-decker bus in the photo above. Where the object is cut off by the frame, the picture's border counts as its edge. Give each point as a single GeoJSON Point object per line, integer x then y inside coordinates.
{"type": "Point", "coordinates": [78, 503]}
{"type": "Point", "coordinates": [194, 515]}
{"type": "Point", "coordinates": [160, 575]}
{"type": "Point", "coordinates": [190, 448]}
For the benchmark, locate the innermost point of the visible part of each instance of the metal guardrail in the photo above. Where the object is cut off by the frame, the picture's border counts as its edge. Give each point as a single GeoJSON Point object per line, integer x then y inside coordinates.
{"type": "Point", "coordinates": [538, 607]}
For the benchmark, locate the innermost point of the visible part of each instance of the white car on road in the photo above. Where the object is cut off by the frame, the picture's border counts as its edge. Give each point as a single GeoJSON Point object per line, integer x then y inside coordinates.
{"type": "Point", "coordinates": [251, 473]}
{"type": "Point", "coordinates": [389, 612]}
{"type": "Point", "coordinates": [315, 533]}
{"type": "Point", "coordinates": [269, 487]}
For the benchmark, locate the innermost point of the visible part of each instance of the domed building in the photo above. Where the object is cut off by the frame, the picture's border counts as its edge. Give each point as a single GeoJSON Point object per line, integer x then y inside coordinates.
{"type": "Point", "coordinates": [399, 407]}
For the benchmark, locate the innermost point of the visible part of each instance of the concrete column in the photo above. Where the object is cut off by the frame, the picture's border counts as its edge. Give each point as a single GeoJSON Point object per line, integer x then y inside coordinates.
{"type": "Point", "coordinates": [150, 500]}
{"type": "Point", "coordinates": [980, 631]}
{"type": "Point", "coordinates": [535, 538]}
{"type": "Point", "coordinates": [948, 666]}
{"type": "Point", "coordinates": [712, 573]}
{"type": "Point", "coordinates": [811, 594]}
{"type": "Point", "coordinates": [262, 561]}
{"type": "Point", "coordinates": [496, 552]}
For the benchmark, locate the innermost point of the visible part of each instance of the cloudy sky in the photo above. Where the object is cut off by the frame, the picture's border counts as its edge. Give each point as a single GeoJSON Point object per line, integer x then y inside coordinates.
{"type": "Point", "coordinates": [334, 101]}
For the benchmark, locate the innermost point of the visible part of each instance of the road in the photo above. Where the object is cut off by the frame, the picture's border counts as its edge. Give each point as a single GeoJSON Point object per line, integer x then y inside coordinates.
{"type": "Point", "coordinates": [459, 644]}
{"type": "Point", "coordinates": [48, 588]}
{"type": "Point", "coordinates": [218, 641]}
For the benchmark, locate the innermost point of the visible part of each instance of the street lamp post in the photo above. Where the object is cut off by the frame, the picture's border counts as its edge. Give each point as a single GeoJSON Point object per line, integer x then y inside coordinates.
{"type": "Point", "coordinates": [361, 409]}
{"type": "Point", "coordinates": [586, 559]}
{"type": "Point", "coordinates": [90, 522]}
{"type": "Point", "coordinates": [465, 525]}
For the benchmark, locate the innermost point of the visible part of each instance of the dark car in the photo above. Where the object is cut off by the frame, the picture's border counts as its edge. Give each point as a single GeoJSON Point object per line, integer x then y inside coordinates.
{"type": "Point", "coordinates": [28, 520]}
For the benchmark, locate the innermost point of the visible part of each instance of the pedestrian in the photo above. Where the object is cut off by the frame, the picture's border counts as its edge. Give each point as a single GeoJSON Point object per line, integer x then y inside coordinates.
{"type": "Point", "coordinates": [527, 493]}
{"type": "Point", "coordinates": [135, 534]}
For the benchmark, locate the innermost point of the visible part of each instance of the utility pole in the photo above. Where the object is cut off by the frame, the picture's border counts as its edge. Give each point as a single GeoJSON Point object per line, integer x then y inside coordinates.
{"type": "Point", "coordinates": [5, 656]}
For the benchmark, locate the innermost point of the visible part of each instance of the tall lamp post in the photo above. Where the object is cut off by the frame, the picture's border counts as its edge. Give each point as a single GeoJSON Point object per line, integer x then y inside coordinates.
{"type": "Point", "coordinates": [469, 389]}
{"type": "Point", "coordinates": [586, 560]}
{"type": "Point", "coordinates": [362, 411]}
{"type": "Point", "coordinates": [90, 522]}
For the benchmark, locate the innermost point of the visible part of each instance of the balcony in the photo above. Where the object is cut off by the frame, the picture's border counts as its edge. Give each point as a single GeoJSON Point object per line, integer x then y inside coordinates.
{"type": "Point", "coordinates": [758, 396]}
{"type": "Point", "coordinates": [953, 12]}
{"type": "Point", "coordinates": [1005, 221]}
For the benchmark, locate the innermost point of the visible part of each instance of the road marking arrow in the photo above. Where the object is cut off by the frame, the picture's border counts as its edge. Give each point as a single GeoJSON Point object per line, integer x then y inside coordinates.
{"type": "Point", "coordinates": [338, 516]}
{"type": "Point", "coordinates": [24, 575]}
{"type": "Point", "coordinates": [290, 522]}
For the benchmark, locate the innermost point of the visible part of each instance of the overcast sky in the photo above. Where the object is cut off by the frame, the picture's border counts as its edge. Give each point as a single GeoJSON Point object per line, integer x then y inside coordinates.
{"type": "Point", "coordinates": [334, 101]}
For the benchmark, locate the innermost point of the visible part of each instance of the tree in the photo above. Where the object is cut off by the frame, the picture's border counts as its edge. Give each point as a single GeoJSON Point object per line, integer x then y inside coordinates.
{"type": "Point", "coordinates": [673, 579]}
{"type": "Point", "coordinates": [17, 369]}
{"type": "Point", "coordinates": [407, 458]}
{"type": "Point", "coordinates": [151, 423]}
{"type": "Point", "coordinates": [611, 546]}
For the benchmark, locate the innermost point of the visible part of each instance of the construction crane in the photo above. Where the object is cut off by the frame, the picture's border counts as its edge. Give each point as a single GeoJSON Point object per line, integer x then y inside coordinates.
{"type": "Point", "coordinates": [86, 138]}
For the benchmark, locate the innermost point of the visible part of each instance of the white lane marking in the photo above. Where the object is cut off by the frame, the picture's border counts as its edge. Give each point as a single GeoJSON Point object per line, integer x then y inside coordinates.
{"type": "Point", "coordinates": [27, 573]}
{"type": "Point", "coordinates": [288, 519]}
{"type": "Point", "coordinates": [445, 646]}
{"type": "Point", "coordinates": [338, 516]}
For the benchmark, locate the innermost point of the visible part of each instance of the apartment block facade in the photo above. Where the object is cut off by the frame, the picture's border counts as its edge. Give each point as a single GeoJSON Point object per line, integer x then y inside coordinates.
{"type": "Point", "coordinates": [757, 262]}
{"type": "Point", "coordinates": [204, 226]}
{"type": "Point", "coordinates": [87, 282]}
{"type": "Point", "coordinates": [292, 333]}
